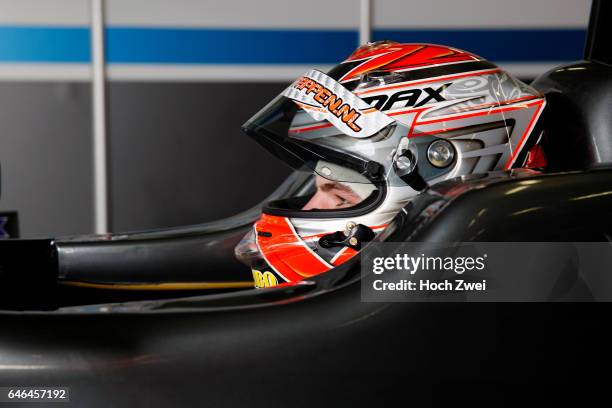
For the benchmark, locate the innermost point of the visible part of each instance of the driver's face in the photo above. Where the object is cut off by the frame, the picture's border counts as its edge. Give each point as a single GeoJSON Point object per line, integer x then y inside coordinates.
{"type": "Point", "coordinates": [331, 195]}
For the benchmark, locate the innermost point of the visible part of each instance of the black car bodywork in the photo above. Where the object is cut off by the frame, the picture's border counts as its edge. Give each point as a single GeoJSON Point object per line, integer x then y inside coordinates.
{"type": "Point", "coordinates": [319, 340]}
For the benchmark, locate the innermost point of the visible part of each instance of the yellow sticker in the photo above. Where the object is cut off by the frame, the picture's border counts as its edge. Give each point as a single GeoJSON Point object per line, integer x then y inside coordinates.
{"type": "Point", "coordinates": [264, 279]}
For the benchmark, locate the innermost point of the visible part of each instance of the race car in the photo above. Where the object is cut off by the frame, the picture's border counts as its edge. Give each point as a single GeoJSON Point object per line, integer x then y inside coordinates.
{"type": "Point", "coordinates": [175, 309]}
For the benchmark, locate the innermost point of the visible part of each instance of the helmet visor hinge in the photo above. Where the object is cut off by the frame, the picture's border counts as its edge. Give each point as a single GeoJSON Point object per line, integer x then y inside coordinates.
{"type": "Point", "coordinates": [405, 166]}
{"type": "Point", "coordinates": [352, 237]}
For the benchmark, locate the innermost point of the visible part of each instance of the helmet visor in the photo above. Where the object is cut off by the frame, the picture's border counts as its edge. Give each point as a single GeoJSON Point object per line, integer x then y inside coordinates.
{"type": "Point", "coordinates": [319, 124]}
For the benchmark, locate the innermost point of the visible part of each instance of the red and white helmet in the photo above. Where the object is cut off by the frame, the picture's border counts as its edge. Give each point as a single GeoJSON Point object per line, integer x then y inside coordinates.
{"type": "Point", "coordinates": [386, 122]}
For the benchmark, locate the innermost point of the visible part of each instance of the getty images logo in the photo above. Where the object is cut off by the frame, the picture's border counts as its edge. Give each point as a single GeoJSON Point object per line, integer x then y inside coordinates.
{"type": "Point", "coordinates": [412, 264]}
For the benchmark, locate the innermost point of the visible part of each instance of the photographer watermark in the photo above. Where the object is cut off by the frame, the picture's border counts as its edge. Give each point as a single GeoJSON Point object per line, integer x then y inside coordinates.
{"type": "Point", "coordinates": [486, 271]}
{"type": "Point", "coordinates": [412, 264]}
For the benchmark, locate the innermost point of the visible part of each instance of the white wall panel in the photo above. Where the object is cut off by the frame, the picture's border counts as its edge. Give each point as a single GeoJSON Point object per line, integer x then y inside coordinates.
{"type": "Point", "coordinates": [409, 14]}
{"type": "Point", "coordinates": [44, 12]}
{"type": "Point", "coordinates": [339, 14]}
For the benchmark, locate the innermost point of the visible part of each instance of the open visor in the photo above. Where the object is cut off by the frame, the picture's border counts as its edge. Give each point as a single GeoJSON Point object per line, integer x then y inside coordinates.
{"type": "Point", "coordinates": [319, 124]}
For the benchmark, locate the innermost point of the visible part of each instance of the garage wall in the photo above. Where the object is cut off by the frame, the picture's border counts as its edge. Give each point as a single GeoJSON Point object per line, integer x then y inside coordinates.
{"type": "Point", "coordinates": [45, 116]}
{"type": "Point", "coordinates": [184, 75]}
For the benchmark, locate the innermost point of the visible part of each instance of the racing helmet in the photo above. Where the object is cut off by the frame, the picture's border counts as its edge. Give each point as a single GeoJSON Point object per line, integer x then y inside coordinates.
{"type": "Point", "coordinates": [385, 123]}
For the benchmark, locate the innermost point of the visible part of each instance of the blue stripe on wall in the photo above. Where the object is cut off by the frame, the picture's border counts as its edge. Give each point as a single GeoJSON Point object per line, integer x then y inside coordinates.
{"type": "Point", "coordinates": [501, 45]}
{"type": "Point", "coordinates": [237, 46]}
{"type": "Point", "coordinates": [44, 44]}
{"type": "Point", "coordinates": [191, 46]}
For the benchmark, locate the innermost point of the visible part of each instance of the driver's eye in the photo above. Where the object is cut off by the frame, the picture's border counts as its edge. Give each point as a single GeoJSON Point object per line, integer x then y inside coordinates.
{"type": "Point", "coordinates": [342, 200]}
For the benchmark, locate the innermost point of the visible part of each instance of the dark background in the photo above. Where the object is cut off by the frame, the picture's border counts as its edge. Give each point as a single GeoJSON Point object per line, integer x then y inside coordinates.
{"type": "Point", "coordinates": [188, 143]}
{"type": "Point", "coordinates": [177, 153]}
